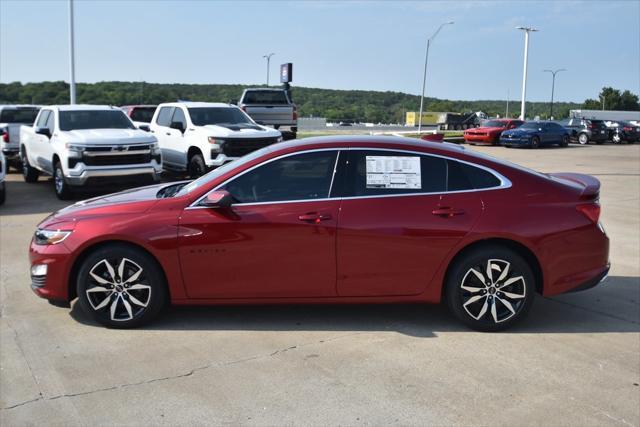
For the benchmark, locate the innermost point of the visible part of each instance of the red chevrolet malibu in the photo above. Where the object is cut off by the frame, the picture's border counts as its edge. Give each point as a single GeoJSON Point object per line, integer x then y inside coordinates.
{"type": "Point", "coordinates": [330, 220]}
{"type": "Point", "coordinates": [489, 132]}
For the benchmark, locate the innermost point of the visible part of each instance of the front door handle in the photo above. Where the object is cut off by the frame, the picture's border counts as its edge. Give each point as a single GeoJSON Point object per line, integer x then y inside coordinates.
{"type": "Point", "coordinates": [314, 217]}
{"type": "Point", "coordinates": [447, 212]}
{"type": "Point", "coordinates": [168, 133]}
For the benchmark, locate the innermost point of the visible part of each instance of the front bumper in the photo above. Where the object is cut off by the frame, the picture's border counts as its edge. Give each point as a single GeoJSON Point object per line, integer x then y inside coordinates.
{"type": "Point", "coordinates": [54, 285]}
{"type": "Point", "coordinates": [219, 160]}
{"type": "Point", "coordinates": [515, 142]}
{"type": "Point", "coordinates": [82, 174]}
{"type": "Point", "coordinates": [480, 139]}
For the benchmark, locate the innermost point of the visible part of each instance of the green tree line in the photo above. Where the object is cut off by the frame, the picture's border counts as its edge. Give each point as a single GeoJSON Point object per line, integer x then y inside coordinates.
{"type": "Point", "coordinates": [351, 105]}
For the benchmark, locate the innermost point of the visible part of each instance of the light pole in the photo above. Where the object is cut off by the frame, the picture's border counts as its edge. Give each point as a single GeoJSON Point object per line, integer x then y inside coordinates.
{"type": "Point", "coordinates": [526, 30]}
{"type": "Point", "coordinates": [72, 65]}
{"type": "Point", "coordinates": [553, 85]}
{"type": "Point", "coordinates": [506, 115]}
{"type": "Point", "coordinates": [424, 77]}
{"type": "Point", "coordinates": [268, 58]}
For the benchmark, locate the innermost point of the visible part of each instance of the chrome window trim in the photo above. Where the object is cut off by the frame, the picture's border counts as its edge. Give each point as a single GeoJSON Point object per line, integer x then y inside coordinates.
{"type": "Point", "coordinates": [504, 181]}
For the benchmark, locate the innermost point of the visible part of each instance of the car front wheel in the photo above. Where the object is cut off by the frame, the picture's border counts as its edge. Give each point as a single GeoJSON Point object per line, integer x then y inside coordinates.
{"type": "Point", "coordinates": [490, 289]}
{"type": "Point", "coordinates": [535, 142]}
{"type": "Point", "coordinates": [60, 185]}
{"type": "Point", "coordinates": [29, 173]}
{"type": "Point", "coordinates": [121, 286]}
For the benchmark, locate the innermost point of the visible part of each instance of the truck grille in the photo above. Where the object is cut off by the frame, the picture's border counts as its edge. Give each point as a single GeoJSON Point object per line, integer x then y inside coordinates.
{"type": "Point", "coordinates": [122, 159]}
{"type": "Point", "coordinates": [237, 147]}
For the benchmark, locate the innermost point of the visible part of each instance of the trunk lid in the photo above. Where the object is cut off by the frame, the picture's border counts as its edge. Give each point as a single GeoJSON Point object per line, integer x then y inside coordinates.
{"type": "Point", "coordinates": [587, 185]}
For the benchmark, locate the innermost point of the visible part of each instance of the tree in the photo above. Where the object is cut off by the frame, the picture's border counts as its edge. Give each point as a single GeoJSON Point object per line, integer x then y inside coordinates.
{"type": "Point", "coordinates": [611, 99]}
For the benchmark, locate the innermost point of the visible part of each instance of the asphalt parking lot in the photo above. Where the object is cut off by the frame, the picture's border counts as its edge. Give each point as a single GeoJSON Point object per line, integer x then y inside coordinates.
{"type": "Point", "coordinates": [574, 361]}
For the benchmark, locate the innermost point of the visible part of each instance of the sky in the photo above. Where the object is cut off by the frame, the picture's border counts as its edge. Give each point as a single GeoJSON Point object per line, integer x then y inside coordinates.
{"type": "Point", "coordinates": [368, 45]}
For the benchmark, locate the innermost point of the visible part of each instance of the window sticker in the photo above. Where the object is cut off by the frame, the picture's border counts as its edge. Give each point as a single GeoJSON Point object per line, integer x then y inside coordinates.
{"type": "Point", "coordinates": [393, 172]}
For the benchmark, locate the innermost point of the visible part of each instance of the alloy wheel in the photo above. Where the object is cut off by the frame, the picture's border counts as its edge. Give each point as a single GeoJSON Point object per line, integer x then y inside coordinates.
{"type": "Point", "coordinates": [59, 180]}
{"type": "Point", "coordinates": [123, 292]}
{"type": "Point", "coordinates": [493, 293]}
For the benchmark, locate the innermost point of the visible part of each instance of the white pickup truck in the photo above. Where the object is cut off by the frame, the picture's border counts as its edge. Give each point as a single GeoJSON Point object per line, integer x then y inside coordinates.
{"type": "Point", "coordinates": [88, 145]}
{"type": "Point", "coordinates": [197, 136]}
{"type": "Point", "coordinates": [12, 117]}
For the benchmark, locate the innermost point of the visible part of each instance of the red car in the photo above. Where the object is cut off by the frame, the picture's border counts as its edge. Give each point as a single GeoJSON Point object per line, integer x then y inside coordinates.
{"type": "Point", "coordinates": [489, 132]}
{"type": "Point", "coordinates": [330, 220]}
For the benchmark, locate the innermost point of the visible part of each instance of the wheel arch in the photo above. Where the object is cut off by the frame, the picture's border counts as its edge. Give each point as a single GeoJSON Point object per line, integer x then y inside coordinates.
{"type": "Point", "coordinates": [193, 150]}
{"type": "Point", "coordinates": [513, 245]}
{"type": "Point", "coordinates": [77, 263]}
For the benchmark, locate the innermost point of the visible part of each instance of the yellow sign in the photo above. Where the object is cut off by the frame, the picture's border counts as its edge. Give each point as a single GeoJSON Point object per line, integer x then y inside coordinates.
{"type": "Point", "coordinates": [428, 118]}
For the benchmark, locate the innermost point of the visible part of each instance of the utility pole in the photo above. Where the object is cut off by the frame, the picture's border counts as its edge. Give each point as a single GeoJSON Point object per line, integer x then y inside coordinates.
{"type": "Point", "coordinates": [506, 115]}
{"type": "Point", "coordinates": [523, 107]}
{"type": "Point", "coordinates": [553, 84]}
{"type": "Point", "coordinates": [72, 65]}
{"type": "Point", "coordinates": [268, 58]}
{"type": "Point", "coordinates": [424, 77]}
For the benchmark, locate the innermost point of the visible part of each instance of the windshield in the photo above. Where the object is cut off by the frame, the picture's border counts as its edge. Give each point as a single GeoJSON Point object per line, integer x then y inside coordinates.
{"type": "Point", "coordinates": [202, 116]}
{"type": "Point", "coordinates": [142, 114]}
{"type": "Point", "coordinates": [19, 115]}
{"type": "Point", "coordinates": [205, 179]}
{"type": "Point", "coordinates": [94, 119]}
{"type": "Point", "coordinates": [494, 124]}
{"type": "Point", "coordinates": [268, 97]}
{"type": "Point", "coordinates": [531, 125]}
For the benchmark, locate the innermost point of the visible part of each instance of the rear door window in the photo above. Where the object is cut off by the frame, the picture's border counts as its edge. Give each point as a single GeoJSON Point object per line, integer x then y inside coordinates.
{"type": "Point", "coordinates": [462, 176]}
{"type": "Point", "coordinates": [178, 117]}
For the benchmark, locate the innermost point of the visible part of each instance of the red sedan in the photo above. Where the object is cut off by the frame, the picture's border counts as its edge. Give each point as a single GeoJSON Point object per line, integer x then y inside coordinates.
{"type": "Point", "coordinates": [330, 220]}
{"type": "Point", "coordinates": [489, 132]}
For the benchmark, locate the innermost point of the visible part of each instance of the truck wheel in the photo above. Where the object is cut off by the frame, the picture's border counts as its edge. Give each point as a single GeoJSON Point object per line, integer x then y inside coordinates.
{"type": "Point", "coordinates": [29, 173]}
{"type": "Point", "coordinates": [63, 192]}
{"type": "Point", "coordinates": [196, 166]}
{"type": "Point", "coordinates": [3, 192]}
{"type": "Point", "coordinates": [583, 138]}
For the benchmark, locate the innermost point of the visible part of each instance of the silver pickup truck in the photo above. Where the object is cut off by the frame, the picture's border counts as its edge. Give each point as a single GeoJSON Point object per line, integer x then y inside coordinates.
{"type": "Point", "coordinates": [12, 117]}
{"type": "Point", "coordinates": [270, 107]}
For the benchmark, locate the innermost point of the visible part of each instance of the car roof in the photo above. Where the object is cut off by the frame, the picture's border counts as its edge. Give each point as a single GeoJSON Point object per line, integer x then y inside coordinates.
{"type": "Point", "coordinates": [15, 106]}
{"type": "Point", "coordinates": [265, 89]}
{"type": "Point", "coordinates": [81, 107]}
{"type": "Point", "coordinates": [139, 106]}
{"type": "Point", "coordinates": [193, 104]}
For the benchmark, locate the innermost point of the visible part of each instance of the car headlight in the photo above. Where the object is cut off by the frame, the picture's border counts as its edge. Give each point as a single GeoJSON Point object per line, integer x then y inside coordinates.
{"type": "Point", "coordinates": [50, 237]}
{"type": "Point", "coordinates": [75, 150]}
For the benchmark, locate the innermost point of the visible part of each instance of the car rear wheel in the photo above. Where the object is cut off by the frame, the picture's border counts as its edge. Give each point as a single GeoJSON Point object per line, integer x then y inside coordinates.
{"type": "Point", "coordinates": [29, 173]}
{"type": "Point", "coordinates": [121, 287]}
{"type": "Point", "coordinates": [616, 138]}
{"type": "Point", "coordinates": [583, 138]}
{"type": "Point", "coordinates": [60, 185]}
{"type": "Point", "coordinates": [565, 141]}
{"type": "Point", "coordinates": [196, 166]}
{"type": "Point", "coordinates": [535, 142]}
{"type": "Point", "coordinates": [490, 288]}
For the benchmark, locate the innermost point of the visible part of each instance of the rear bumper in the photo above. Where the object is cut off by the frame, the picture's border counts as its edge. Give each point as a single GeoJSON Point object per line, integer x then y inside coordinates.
{"type": "Point", "coordinates": [599, 278]}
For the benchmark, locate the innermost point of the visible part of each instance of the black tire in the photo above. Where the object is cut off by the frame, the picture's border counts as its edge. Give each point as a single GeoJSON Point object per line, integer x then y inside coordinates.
{"type": "Point", "coordinates": [29, 173]}
{"type": "Point", "coordinates": [113, 301]}
{"type": "Point", "coordinates": [583, 139]}
{"type": "Point", "coordinates": [196, 166]}
{"type": "Point", "coordinates": [60, 184]}
{"type": "Point", "coordinates": [535, 142]}
{"type": "Point", "coordinates": [3, 192]}
{"type": "Point", "coordinates": [480, 313]}
{"type": "Point", "coordinates": [565, 141]}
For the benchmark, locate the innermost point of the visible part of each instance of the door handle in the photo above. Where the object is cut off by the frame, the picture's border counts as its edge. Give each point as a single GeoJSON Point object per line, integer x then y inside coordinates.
{"type": "Point", "coordinates": [168, 133]}
{"type": "Point", "coordinates": [314, 217]}
{"type": "Point", "coordinates": [447, 212]}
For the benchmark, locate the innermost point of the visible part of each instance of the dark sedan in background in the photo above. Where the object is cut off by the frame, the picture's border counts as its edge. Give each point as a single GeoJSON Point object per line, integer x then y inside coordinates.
{"type": "Point", "coordinates": [535, 134]}
{"type": "Point", "coordinates": [623, 132]}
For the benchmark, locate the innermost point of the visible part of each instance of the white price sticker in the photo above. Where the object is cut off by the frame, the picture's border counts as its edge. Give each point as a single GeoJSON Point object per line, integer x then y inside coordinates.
{"type": "Point", "coordinates": [393, 172]}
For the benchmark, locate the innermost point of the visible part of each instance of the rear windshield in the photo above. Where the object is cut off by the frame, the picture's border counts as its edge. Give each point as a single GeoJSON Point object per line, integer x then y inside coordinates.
{"type": "Point", "coordinates": [19, 115]}
{"type": "Point", "coordinates": [94, 119]}
{"type": "Point", "coordinates": [142, 114]}
{"type": "Point", "coordinates": [270, 97]}
{"type": "Point", "coordinates": [202, 116]}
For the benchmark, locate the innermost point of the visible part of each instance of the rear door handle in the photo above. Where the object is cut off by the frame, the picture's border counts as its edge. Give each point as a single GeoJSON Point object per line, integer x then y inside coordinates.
{"type": "Point", "coordinates": [447, 212]}
{"type": "Point", "coordinates": [314, 217]}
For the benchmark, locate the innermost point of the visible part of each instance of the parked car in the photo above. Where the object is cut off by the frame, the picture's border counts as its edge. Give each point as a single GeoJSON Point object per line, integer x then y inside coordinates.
{"type": "Point", "coordinates": [88, 145]}
{"type": "Point", "coordinates": [535, 134]}
{"type": "Point", "coordinates": [489, 132]}
{"type": "Point", "coordinates": [12, 117]}
{"type": "Point", "coordinates": [197, 136]}
{"type": "Point", "coordinates": [584, 131]}
{"type": "Point", "coordinates": [270, 107]}
{"type": "Point", "coordinates": [140, 115]}
{"type": "Point", "coordinates": [3, 174]}
{"type": "Point", "coordinates": [620, 131]}
{"type": "Point", "coordinates": [358, 219]}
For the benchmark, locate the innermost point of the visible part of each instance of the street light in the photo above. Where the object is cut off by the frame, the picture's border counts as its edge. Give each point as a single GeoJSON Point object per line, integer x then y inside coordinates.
{"type": "Point", "coordinates": [424, 77]}
{"type": "Point", "coordinates": [526, 30]}
{"type": "Point", "coordinates": [553, 84]}
{"type": "Point", "coordinates": [72, 66]}
{"type": "Point", "coordinates": [268, 58]}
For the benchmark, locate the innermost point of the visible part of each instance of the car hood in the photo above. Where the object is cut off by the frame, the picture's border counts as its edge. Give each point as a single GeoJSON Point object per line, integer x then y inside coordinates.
{"type": "Point", "coordinates": [135, 201]}
{"type": "Point", "coordinates": [107, 136]}
{"type": "Point", "coordinates": [240, 131]}
{"type": "Point", "coordinates": [486, 129]}
{"type": "Point", "coordinates": [517, 132]}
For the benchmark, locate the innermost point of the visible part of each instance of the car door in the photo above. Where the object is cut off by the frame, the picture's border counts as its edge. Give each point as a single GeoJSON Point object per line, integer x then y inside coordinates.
{"type": "Point", "coordinates": [397, 222]}
{"type": "Point", "coordinates": [175, 139]}
{"type": "Point", "coordinates": [161, 130]}
{"type": "Point", "coordinates": [47, 147]}
{"type": "Point", "coordinates": [37, 149]}
{"type": "Point", "coordinates": [276, 240]}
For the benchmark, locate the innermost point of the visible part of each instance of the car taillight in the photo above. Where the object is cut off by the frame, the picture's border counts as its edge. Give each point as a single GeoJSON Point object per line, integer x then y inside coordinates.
{"type": "Point", "coordinates": [5, 137]}
{"type": "Point", "coordinates": [591, 211]}
{"type": "Point", "coordinates": [627, 128]}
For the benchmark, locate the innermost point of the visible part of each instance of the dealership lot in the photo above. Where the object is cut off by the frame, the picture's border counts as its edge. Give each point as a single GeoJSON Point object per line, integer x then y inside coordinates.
{"type": "Point", "coordinates": [576, 359]}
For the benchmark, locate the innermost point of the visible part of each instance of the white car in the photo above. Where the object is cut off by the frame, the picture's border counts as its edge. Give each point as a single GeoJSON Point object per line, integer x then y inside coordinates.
{"type": "Point", "coordinates": [88, 145]}
{"type": "Point", "coordinates": [12, 117]}
{"type": "Point", "coordinates": [3, 174]}
{"type": "Point", "coordinates": [197, 136]}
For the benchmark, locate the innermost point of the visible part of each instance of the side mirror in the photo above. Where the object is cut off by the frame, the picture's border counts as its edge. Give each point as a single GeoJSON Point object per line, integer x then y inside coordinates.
{"type": "Point", "coordinates": [218, 199]}
{"type": "Point", "coordinates": [43, 131]}
{"type": "Point", "coordinates": [145, 128]}
{"type": "Point", "coordinates": [177, 125]}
